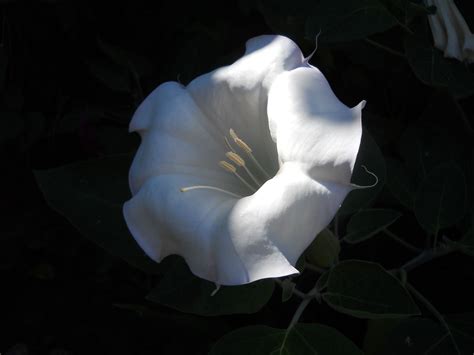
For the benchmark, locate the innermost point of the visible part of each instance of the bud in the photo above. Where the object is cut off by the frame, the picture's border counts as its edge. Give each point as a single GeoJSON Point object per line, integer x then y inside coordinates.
{"type": "Point", "coordinates": [324, 250]}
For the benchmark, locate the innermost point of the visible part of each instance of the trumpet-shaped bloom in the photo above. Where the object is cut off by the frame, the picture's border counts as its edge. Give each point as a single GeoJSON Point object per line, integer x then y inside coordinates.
{"type": "Point", "coordinates": [238, 171]}
{"type": "Point", "coordinates": [451, 33]}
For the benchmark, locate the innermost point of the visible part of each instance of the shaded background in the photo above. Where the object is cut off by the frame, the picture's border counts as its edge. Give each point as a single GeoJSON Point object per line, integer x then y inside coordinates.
{"type": "Point", "coordinates": [71, 75]}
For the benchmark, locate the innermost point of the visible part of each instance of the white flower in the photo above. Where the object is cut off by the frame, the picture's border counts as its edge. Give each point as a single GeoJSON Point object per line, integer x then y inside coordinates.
{"type": "Point", "coordinates": [451, 33]}
{"type": "Point", "coordinates": [278, 116]}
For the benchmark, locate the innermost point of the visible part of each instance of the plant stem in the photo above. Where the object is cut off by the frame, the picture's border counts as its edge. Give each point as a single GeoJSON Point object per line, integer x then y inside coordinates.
{"type": "Point", "coordinates": [312, 294]}
{"type": "Point", "coordinates": [402, 242]}
{"type": "Point", "coordinates": [435, 312]}
{"type": "Point", "coordinates": [295, 291]}
{"type": "Point", "coordinates": [463, 116]}
{"type": "Point", "coordinates": [314, 268]}
{"type": "Point", "coordinates": [385, 48]}
{"type": "Point", "coordinates": [426, 256]}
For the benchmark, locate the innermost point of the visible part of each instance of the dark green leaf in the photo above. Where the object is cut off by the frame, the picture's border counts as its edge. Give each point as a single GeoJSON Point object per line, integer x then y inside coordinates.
{"type": "Point", "coordinates": [322, 282]}
{"type": "Point", "coordinates": [365, 290]}
{"type": "Point", "coordinates": [181, 290]}
{"type": "Point", "coordinates": [3, 67]}
{"type": "Point", "coordinates": [113, 76]}
{"type": "Point", "coordinates": [377, 333]}
{"type": "Point", "coordinates": [301, 340]}
{"type": "Point", "coordinates": [400, 183]}
{"type": "Point", "coordinates": [133, 62]}
{"type": "Point", "coordinates": [12, 127]}
{"type": "Point", "coordinates": [441, 199]}
{"type": "Point", "coordinates": [433, 69]}
{"type": "Point", "coordinates": [367, 223]}
{"type": "Point", "coordinates": [371, 157]}
{"type": "Point", "coordinates": [287, 288]}
{"type": "Point", "coordinates": [423, 336]}
{"type": "Point", "coordinates": [90, 195]}
{"type": "Point", "coordinates": [347, 20]}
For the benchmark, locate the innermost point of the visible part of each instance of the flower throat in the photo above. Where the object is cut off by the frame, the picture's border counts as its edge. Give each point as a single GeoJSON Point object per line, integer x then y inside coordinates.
{"type": "Point", "coordinates": [251, 180]}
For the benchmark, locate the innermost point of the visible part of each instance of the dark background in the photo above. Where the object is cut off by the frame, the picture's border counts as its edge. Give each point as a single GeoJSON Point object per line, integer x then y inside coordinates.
{"type": "Point", "coordinates": [67, 96]}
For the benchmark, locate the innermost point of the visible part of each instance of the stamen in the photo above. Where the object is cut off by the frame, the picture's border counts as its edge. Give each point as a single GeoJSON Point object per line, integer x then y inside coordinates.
{"type": "Point", "coordinates": [227, 166]}
{"type": "Point", "coordinates": [230, 168]}
{"type": "Point", "coordinates": [228, 144]}
{"type": "Point", "coordinates": [239, 161]}
{"type": "Point", "coordinates": [189, 188]}
{"type": "Point", "coordinates": [232, 134]}
{"type": "Point", "coordinates": [244, 146]}
{"type": "Point", "coordinates": [267, 175]}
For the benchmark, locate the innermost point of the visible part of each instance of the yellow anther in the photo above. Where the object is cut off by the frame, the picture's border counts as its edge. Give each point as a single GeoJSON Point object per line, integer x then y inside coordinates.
{"type": "Point", "coordinates": [227, 166]}
{"type": "Point", "coordinates": [242, 145]}
{"type": "Point", "coordinates": [235, 158]}
{"type": "Point", "coordinates": [233, 135]}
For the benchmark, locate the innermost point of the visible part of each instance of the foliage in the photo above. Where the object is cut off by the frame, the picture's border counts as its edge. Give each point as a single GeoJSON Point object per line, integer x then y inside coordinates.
{"type": "Point", "coordinates": [71, 75]}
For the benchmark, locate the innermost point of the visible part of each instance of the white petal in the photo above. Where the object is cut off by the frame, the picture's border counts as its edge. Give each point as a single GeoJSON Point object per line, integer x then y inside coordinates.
{"type": "Point", "coordinates": [273, 227]}
{"type": "Point", "coordinates": [312, 127]}
{"type": "Point", "coordinates": [437, 28]}
{"type": "Point", "coordinates": [236, 96]}
{"type": "Point", "coordinates": [176, 138]}
{"type": "Point", "coordinates": [231, 241]}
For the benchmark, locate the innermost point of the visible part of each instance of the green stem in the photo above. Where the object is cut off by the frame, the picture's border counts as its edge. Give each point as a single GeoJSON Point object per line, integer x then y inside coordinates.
{"type": "Point", "coordinates": [313, 294]}
{"type": "Point", "coordinates": [295, 291]}
{"type": "Point", "coordinates": [425, 257]}
{"type": "Point", "coordinates": [435, 312]}
{"type": "Point", "coordinates": [401, 241]}
{"type": "Point", "coordinates": [314, 268]}
{"type": "Point", "coordinates": [385, 48]}
{"type": "Point", "coordinates": [463, 116]}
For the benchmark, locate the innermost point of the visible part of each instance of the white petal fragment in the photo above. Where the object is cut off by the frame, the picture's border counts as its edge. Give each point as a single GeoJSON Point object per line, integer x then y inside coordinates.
{"type": "Point", "coordinates": [312, 127]}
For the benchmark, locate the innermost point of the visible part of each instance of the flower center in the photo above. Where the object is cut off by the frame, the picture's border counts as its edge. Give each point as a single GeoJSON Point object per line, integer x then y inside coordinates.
{"type": "Point", "coordinates": [251, 177]}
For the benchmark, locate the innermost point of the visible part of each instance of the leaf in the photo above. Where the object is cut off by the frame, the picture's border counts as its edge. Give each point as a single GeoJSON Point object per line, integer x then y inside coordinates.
{"type": "Point", "coordinates": [377, 333]}
{"type": "Point", "coordinates": [181, 290]}
{"type": "Point", "coordinates": [112, 76]}
{"type": "Point", "coordinates": [365, 290]}
{"type": "Point", "coordinates": [90, 195]}
{"type": "Point", "coordinates": [441, 199]}
{"type": "Point", "coordinates": [13, 126]}
{"type": "Point", "coordinates": [302, 339]}
{"type": "Point", "coordinates": [371, 157]}
{"type": "Point", "coordinates": [322, 282]}
{"type": "Point", "coordinates": [430, 66]}
{"type": "Point", "coordinates": [3, 67]}
{"type": "Point", "coordinates": [140, 65]}
{"type": "Point", "coordinates": [423, 336]}
{"type": "Point", "coordinates": [348, 20]}
{"type": "Point", "coordinates": [367, 223]}
{"type": "Point", "coordinates": [287, 288]}
{"type": "Point", "coordinates": [400, 183]}
{"type": "Point", "coordinates": [405, 10]}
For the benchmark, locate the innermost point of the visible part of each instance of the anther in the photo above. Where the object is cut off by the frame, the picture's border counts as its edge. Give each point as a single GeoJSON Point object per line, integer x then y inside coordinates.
{"type": "Point", "coordinates": [235, 158]}
{"type": "Point", "coordinates": [242, 145]}
{"type": "Point", "coordinates": [227, 166]}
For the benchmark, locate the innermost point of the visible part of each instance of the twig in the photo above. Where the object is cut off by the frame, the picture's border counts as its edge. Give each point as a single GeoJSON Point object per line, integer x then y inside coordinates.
{"type": "Point", "coordinates": [435, 312]}
{"type": "Point", "coordinates": [384, 48]}
{"type": "Point", "coordinates": [425, 257]}
{"type": "Point", "coordinates": [295, 291]}
{"type": "Point", "coordinates": [314, 268]}
{"type": "Point", "coordinates": [402, 242]}
{"type": "Point", "coordinates": [312, 294]}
